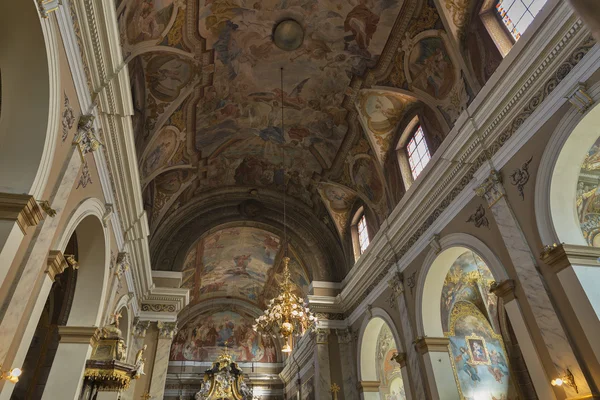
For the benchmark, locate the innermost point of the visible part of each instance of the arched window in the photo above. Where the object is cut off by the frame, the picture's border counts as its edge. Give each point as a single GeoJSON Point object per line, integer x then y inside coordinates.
{"type": "Point", "coordinates": [360, 233]}
{"type": "Point", "coordinates": [413, 152]}
{"type": "Point", "coordinates": [506, 20]}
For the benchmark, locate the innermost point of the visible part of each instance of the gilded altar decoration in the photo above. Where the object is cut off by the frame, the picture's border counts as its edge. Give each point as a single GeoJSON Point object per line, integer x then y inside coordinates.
{"type": "Point", "coordinates": [225, 380]}
{"type": "Point", "coordinates": [287, 315]}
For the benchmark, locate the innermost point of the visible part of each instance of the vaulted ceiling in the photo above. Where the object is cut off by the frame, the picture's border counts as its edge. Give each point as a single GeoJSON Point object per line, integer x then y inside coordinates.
{"type": "Point", "coordinates": [206, 84]}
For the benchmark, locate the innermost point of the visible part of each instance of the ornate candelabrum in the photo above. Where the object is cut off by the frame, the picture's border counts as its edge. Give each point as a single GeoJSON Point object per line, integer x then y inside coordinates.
{"type": "Point", "coordinates": [287, 314]}
{"type": "Point", "coordinates": [225, 380]}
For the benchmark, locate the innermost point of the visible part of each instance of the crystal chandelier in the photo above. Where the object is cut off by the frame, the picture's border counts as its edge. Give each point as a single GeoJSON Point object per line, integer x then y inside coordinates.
{"type": "Point", "coordinates": [287, 314]}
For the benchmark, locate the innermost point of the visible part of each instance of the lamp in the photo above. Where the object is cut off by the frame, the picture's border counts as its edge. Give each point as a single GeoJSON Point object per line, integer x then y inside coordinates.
{"type": "Point", "coordinates": [11, 375]}
{"type": "Point", "coordinates": [567, 379]}
{"type": "Point", "coordinates": [287, 315]}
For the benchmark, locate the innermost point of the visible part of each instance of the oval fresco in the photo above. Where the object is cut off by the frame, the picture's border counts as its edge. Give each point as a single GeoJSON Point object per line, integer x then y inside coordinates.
{"type": "Point", "coordinates": [431, 68]}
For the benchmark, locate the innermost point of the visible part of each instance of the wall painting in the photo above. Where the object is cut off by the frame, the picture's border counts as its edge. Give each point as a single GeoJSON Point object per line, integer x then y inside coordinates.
{"type": "Point", "coordinates": [587, 196]}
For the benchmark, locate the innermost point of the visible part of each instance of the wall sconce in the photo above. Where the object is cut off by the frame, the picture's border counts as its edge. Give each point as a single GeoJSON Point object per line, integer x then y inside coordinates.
{"type": "Point", "coordinates": [11, 376]}
{"type": "Point", "coordinates": [568, 379]}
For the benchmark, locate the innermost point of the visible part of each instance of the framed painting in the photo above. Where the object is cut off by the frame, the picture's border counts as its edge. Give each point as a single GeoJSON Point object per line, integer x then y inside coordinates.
{"type": "Point", "coordinates": [477, 350]}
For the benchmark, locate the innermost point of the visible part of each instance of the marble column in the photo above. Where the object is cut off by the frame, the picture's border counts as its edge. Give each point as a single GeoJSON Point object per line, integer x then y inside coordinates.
{"type": "Point", "coordinates": [536, 296]}
{"type": "Point", "coordinates": [415, 383]}
{"type": "Point", "coordinates": [137, 342]}
{"type": "Point", "coordinates": [346, 346]}
{"type": "Point", "coordinates": [438, 368]}
{"type": "Point", "coordinates": [541, 382]}
{"type": "Point", "coordinates": [166, 332]}
{"type": "Point", "coordinates": [30, 272]}
{"type": "Point", "coordinates": [74, 349]}
{"type": "Point", "coordinates": [322, 366]}
{"type": "Point", "coordinates": [574, 279]}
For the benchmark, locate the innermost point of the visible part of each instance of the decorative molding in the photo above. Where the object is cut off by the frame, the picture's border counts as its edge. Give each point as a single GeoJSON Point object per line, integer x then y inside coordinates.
{"type": "Point", "coordinates": [79, 334]}
{"type": "Point", "coordinates": [432, 345]}
{"type": "Point", "coordinates": [68, 118]}
{"type": "Point", "coordinates": [85, 139]}
{"type": "Point", "coordinates": [396, 283]}
{"type": "Point", "coordinates": [140, 327]}
{"type": "Point", "coordinates": [159, 307]}
{"type": "Point", "coordinates": [504, 290]}
{"type": "Point", "coordinates": [520, 177]}
{"type": "Point", "coordinates": [56, 264]}
{"type": "Point", "coordinates": [580, 98]}
{"type": "Point", "coordinates": [22, 208]}
{"type": "Point", "coordinates": [491, 188]}
{"type": "Point", "coordinates": [344, 336]}
{"type": "Point", "coordinates": [368, 386]}
{"type": "Point", "coordinates": [564, 255]}
{"type": "Point", "coordinates": [123, 264]}
{"type": "Point", "coordinates": [478, 218]}
{"type": "Point", "coordinates": [400, 358]}
{"type": "Point", "coordinates": [166, 330]}
{"type": "Point", "coordinates": [48, 6]}
{"type": "Point", "coordinates": [322, 335]}
{"type": "Point", "coordinates": [85, 178]}
{"type": "Point", "coordinates": [45, 205]}
{"type": "Point", "coordinates": [109, 210]}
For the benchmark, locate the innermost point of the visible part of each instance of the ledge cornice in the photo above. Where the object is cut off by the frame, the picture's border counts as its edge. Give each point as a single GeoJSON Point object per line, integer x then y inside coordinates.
{"type": "Point", "coordinates": [21, 208]}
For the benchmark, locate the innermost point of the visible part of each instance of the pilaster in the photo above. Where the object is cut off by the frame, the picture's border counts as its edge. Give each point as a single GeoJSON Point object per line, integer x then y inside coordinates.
{"type": "Point", "coordinates": [346, 346]}
{"type": "Point", "coordinates": [166, 332]}
{"type": "Point", "coordinates": [415, 383]}
{"type": "Point", "coordinates": [322, 365]}
{"type": "Point", "coordinates": [536, 296]}
{"type": "Point", "coordinates": [438, 368]}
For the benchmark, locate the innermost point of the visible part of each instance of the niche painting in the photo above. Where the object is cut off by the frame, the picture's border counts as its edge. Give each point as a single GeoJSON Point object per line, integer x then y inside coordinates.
{"type": "Point", "coordinates": [587, 196]}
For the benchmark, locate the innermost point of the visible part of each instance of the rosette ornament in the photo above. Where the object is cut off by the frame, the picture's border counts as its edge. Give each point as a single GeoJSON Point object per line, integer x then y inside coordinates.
{"type": "Point", "coordinates": [287, 314]}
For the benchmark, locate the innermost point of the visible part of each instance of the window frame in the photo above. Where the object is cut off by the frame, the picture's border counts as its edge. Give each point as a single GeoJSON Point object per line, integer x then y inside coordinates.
{"type": "Point", "coordinates": [402, 150]}
{"type": "Point", "coordinates": [360, 215]}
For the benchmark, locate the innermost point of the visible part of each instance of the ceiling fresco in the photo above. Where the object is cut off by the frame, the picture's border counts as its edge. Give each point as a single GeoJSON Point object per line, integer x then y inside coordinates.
{"type": "Point", "coordinates": [207, 92]}
{"type": "Point", "coordinates": [240, 263]}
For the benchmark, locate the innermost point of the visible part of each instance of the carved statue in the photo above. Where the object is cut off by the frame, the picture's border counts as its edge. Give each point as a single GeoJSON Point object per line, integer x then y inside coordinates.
{"type": "Point", "coordinates": [139, 362]}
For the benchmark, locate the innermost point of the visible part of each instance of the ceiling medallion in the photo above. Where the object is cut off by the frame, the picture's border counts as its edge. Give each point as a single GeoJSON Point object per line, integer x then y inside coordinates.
{"type": "Point", "coordinates": [288, 35]}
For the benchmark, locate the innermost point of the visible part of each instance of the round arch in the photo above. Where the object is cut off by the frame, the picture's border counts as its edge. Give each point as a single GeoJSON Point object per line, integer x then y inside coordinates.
{"type": "Point", "coordinates": [126, 322]}
{"type": "Point", "coordinates": [433, 274]}
{"type": "Point", "coordinates": [367, 339]}
{"type": "Point", "coordinates": [94, 258]}
{"type": "Point", "coordinates": [30, 98]}
{"type": "Point", "coordinates": [558, 173]}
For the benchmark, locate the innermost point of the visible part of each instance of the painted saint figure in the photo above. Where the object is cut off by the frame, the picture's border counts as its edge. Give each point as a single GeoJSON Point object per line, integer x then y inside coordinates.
{"type": "Point", "coordinates": [463, 361]}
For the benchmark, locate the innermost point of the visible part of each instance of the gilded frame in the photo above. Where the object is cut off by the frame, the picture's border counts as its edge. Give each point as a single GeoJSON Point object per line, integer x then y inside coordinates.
{"type": "Point", "coordinates": [476, 360]}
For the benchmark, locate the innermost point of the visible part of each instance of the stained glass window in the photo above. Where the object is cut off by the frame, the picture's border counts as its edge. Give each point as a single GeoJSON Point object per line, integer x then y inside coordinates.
{"type": "Point", "coordinates": [363, 235]}
{"type": "Point", "coordinates": [418, 153]}
{"type": "Point", "coordinates": [518, 14]}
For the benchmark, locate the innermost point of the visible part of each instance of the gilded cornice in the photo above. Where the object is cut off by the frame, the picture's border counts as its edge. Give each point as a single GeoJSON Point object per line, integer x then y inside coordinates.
{"type": "Point", "coordinates": [564, 255]}
{"type": "Point", "coordinates": [368, 386]}
{"type": "Point", "coordinates": [426, 345]}
{"type": "Point", "coordinates": [505, 290]}
{"type": "Point", "coordinates": [21, 208]}
{"type": "Point", "coordinates": [79, 334]}
{"type": "Point", "coordinates": [56, 264]}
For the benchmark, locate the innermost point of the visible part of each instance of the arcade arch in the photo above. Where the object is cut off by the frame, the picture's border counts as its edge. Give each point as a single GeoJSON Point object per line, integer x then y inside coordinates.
{"type": "Point", "coordinates": [380, 376]}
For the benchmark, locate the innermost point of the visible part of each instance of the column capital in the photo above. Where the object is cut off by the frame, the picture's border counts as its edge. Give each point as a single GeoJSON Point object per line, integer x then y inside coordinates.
{"type": "Point", "coordinates": [166, 330]}
{"type": "Point", "coordinates": [491, 188]}
{"type": "Point", "coordinates": [56, 264]}
{"type": "Point", "coordinates": [368, 386]}
{"type": "Point", "coordinates": [344, 336]}
{"type": "Point", "coordinates": [140, 327]}
{"type": "Point", "coordinates": [400, 358]}
{"type": "Point", "coordinates": [432, 344]}
{"type": "Point", "coordinates": [79, 334]}
{"type": "Point", "coordinates": [505, 290]}
{"type": "Point", "coordinates": [322, 335]}
{"type": "Point", "coordinates": [21, 208]}
{"type": "Point", "coordinates": [561, 256]}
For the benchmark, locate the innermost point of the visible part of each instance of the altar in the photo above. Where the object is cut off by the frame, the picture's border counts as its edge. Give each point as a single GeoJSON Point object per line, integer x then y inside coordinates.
{"type": "Point", "coordinates": [225, 380]}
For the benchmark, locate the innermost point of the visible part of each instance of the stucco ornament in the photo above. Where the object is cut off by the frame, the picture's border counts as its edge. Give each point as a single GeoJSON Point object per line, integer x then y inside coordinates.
{"type": "Point", "coordinates": [85, 138]}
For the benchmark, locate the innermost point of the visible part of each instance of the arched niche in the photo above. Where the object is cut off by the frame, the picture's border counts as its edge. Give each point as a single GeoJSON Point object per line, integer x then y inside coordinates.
{"type": "Point", "coordinates": [433, 274]}
{"type": "Point", "coordinates": [93, 258]}
{"type": "Point", "coordinates": [30, 98]}
{"type": "Point", "coordinates": [368, 368]}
